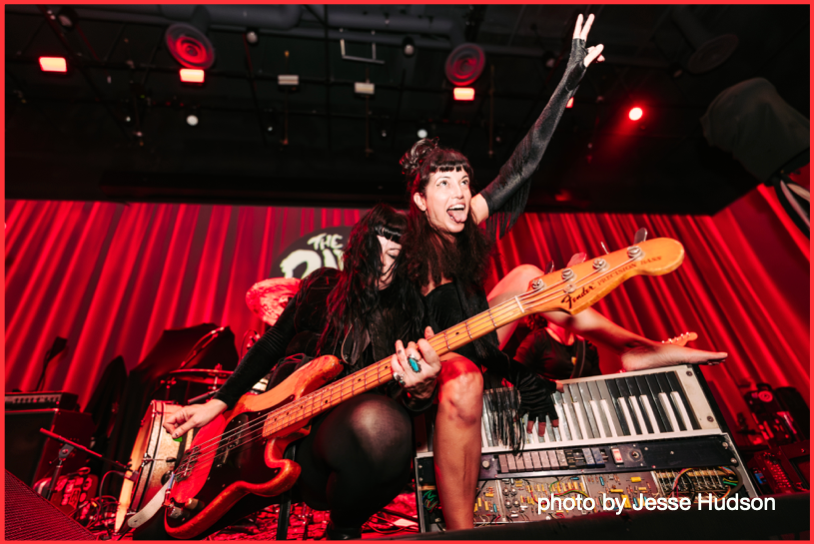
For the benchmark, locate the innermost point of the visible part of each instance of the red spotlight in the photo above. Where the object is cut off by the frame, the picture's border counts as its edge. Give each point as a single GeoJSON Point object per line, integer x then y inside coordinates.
{"type": "Point", "coordinates": [463, 93]}
{"type": "Point", "coordinates": [189, 75]}
{"type": "Point", "coordinates": [53, 64]}
{"type": "Point", "coordinates": [635, 113]}
{"type": "Point", "coordinates": [570, 103]}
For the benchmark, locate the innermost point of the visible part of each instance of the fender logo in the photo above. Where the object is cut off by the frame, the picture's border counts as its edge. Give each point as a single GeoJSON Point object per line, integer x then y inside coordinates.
{"type": "Point", "coordinates": [570, 298]}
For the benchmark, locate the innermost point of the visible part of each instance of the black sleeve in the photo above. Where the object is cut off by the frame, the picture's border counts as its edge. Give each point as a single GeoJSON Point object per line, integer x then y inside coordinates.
{"type": "Point", "coordinates": [507, 194]}
{"type": "Point", "coordinates": [261, 358]}
{"type": "Point", "coordinates": [535, 391]}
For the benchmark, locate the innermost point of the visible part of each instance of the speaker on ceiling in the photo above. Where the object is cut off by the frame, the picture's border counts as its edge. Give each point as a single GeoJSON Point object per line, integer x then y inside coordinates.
{"type": "Point", "coordinates": [189, 46]}
{"type": "Point", "coordinates": [465, 64]}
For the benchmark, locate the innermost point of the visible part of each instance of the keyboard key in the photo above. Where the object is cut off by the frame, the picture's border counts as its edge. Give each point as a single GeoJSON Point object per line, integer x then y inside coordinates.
{"type": "Point", "coordinates": [585, 395]}
{"type": "Point", "coordinates": [655, 390]}
{"type": "Point", "coordinates": [672, 379]}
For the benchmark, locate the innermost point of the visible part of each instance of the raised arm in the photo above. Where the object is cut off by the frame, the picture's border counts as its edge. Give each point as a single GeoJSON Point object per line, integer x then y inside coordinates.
{"type": "Point", "coordinates": [504, 199]}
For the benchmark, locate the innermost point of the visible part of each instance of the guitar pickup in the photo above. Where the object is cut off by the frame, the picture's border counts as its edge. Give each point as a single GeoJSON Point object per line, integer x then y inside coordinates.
{"type": "Point", "coordinates": [233, 440]}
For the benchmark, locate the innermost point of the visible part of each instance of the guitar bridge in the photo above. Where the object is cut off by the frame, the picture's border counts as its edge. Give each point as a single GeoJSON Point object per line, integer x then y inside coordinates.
{"type": "Point", "coordinates": [188, 464]}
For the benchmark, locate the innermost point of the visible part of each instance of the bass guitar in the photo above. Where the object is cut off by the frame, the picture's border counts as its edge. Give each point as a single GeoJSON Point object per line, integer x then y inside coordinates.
{"type": "Point", "coordinates": [241, 451]}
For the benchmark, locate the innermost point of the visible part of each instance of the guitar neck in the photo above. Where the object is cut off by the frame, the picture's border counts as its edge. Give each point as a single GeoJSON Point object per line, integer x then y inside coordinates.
{"type": "Point", "coordinates": [571, 290]}
{"type": "Point", "coordinates": [380, 373]}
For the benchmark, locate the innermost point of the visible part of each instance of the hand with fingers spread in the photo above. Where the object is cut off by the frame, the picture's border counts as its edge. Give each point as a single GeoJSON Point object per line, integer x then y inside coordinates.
{"type": "Point", "coordinates": [416, 367]}
{"type": "Point", "coordinates": [580, 57]}
{"type": "Point", "coordinates": [535, 398]}
{"type": "Point", "coordinates": [593, 53]}
{"type": "Point", "coordinates": [193, 416]}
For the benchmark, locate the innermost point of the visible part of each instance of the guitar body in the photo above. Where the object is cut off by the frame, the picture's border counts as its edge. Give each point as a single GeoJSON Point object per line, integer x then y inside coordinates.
{"type": "Point", "coordinates": [224, 462]}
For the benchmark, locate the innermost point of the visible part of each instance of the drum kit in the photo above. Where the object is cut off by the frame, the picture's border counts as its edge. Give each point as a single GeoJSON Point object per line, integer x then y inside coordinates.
{"type": "Point", "coordinates": [155, 452]}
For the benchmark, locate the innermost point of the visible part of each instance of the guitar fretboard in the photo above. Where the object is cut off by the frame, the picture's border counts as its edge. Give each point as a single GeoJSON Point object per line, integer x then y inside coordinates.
{"type": "Point", "coordinates": [380, 373]}
{"type": "Point", "coordinates": [581, 287]}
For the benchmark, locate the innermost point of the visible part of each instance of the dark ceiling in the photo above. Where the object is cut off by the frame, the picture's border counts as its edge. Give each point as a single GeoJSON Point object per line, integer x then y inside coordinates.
{"type": "Point", "coordinates": [114, 127]}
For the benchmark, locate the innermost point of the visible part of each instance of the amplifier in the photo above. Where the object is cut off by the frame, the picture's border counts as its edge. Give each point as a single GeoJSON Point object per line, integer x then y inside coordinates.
{"type": "Point", "coordinates": [29, 453]}
{"type": "Point", "coordinates": [41, 399]}
{"type": "Point", "coordinates": [30, 517]}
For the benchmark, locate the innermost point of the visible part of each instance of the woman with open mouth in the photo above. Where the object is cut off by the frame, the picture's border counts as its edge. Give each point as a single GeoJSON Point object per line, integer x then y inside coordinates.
{"type": "Point", "coordinates": [447, 248]}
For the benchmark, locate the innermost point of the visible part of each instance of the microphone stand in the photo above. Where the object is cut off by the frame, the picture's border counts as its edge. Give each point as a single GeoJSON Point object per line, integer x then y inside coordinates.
{"type": "Point", "coordinates": [65, 452]}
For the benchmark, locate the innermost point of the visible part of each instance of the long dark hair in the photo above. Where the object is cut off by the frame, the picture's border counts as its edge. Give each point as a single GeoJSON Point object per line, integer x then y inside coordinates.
{"type": "Point", "coordinates": [355, 303]}
{"type": "Point", "coordinates": [428, 254]}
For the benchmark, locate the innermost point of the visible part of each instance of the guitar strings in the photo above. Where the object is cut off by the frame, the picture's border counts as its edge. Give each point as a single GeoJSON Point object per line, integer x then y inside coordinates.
{"type": "Point", "coordinates": [480, 323]}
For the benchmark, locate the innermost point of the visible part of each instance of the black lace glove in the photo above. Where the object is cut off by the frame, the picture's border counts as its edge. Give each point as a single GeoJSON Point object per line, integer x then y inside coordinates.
{"type": "Point", "coordinates": [535, 392]}
{"type": "Point", "coordinates": [507, 194]}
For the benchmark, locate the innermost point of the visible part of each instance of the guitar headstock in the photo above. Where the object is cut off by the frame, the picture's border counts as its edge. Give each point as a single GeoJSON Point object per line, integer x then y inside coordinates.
{"type": "Point", "coordinates": [682, 339]}
{"type": "Point", "coordinates": [577, 287]}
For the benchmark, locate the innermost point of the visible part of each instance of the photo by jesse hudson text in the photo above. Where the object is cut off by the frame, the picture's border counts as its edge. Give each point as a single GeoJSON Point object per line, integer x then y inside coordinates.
{"type": "Point", "coordinates": [650, 503]}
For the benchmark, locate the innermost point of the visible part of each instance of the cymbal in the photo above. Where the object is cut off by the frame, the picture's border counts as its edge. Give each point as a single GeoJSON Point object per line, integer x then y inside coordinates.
{"type": "Point", "coordinates": [208, 376]}
{"type": "Point", "coordinates": [268, 298]}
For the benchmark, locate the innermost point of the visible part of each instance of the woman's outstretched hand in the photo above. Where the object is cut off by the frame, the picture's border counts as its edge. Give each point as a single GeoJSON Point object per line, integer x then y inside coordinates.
{"type": "Point", "coordinates": [581, 32]}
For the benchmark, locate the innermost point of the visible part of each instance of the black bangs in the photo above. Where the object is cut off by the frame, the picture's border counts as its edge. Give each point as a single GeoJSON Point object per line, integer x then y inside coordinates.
{"type": "Point", "coordinates": [448, 167]}
{"type": "Point", "coordinates": [391, 233]}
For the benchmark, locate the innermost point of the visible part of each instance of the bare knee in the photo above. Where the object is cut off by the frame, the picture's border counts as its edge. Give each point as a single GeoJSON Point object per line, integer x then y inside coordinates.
{"type": "Point", "coordinates": [460, 391]}
{"type": "Point", "coordinates": [514, 283]}
{"type": "Point", "coordinates": [525, 272]}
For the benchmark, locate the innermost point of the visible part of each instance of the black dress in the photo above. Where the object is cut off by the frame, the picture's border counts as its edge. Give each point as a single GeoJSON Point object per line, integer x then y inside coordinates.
{"type": "Point", "coordinates": [554, 360]}
{"type": "Point", "coordinates": [357, 456]}
{"type": "Point", "coordinates": [293, 339]}
{"type": "Point", "coordinates": [506, 198]}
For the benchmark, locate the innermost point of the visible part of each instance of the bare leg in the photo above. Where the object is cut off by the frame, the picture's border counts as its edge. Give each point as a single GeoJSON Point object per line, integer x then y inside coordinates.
{"type": "Point", "coordinates": [515, 283]}
{"type": "Point", "coordinates": [636, 351]}
{"type": "Point", "coordinates": [457, 442]}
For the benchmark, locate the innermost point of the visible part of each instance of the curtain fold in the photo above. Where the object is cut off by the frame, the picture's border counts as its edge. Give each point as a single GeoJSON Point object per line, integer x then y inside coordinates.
{"type": "Point", "coordinates": [111, 277]}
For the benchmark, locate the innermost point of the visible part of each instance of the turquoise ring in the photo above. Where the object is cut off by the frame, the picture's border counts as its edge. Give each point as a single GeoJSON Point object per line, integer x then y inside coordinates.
{"type": "Point", "coordinates": [414, 364]}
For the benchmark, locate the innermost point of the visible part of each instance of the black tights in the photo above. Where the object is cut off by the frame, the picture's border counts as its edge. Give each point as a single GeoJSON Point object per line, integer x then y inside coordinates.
{"type": "Point", "coordinates": [354, 462]}
{"type": "Point", "coordinates": [356, 459]}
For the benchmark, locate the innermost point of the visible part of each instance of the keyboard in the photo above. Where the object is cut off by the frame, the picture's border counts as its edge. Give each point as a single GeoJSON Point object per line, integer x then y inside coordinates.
{"type": "Point", "coordinates": [656, 432]}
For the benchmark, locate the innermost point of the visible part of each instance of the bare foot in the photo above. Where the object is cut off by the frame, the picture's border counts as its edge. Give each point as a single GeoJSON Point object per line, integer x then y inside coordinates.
{"type": "Point", "coordinates": [656, 355]}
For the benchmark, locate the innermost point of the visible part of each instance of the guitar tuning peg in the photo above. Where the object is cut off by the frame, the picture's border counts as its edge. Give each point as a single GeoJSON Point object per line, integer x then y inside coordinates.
{"type": "Point", "coordinates": [641, 236]}
{"type": "Point", "coordinates": [604, 248]}
{"type": "Point", "coordinates": [550, 267]}
{"type": "Point", "coordinates": [576, 259]}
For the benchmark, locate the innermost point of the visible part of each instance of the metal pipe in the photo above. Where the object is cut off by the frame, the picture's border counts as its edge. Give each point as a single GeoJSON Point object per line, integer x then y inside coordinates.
{"type": "Point", "coordinates": [253, 87]}
{"type": "Point", "coordinates": [281, 16]}
{"type": "Point", "coordinates": [399, 23]}
{"type": "Point", "coordinates": [327, 76]}
{"type": "Point", "coordinates": [115, 14]}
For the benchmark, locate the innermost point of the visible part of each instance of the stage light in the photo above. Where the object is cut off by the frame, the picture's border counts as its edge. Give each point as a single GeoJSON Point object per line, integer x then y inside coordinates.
{"type": "Point", "coordinates": [570, 103]}
{"type": "Point", "coordinates": [635, 114]}
{"type": "Point", "coordinates": [189, 75]}
{"type": "Point", "coordinates": [53, 64]}
{"type": "Point", "coordinates": [362, 87]}
{"type": "Point", "coordinates": [408, 46]}
{"type": "Point", "coordinates": [192, 120]}
{"type": "Point", "coordinates": [422, 133]}
{"type": "Point", "coordinates": [252, 37]}
{"type": "Point", "coordinates": [67, 18]}
{"type": "Point", "coordinates": [287, 80]}
{"type": "Point", "coordinates": [463, 93]}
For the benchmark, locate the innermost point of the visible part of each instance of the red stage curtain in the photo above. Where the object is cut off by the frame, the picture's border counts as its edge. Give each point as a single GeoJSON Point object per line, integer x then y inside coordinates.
{"type": "Point", "coordinates": [110, 277]}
